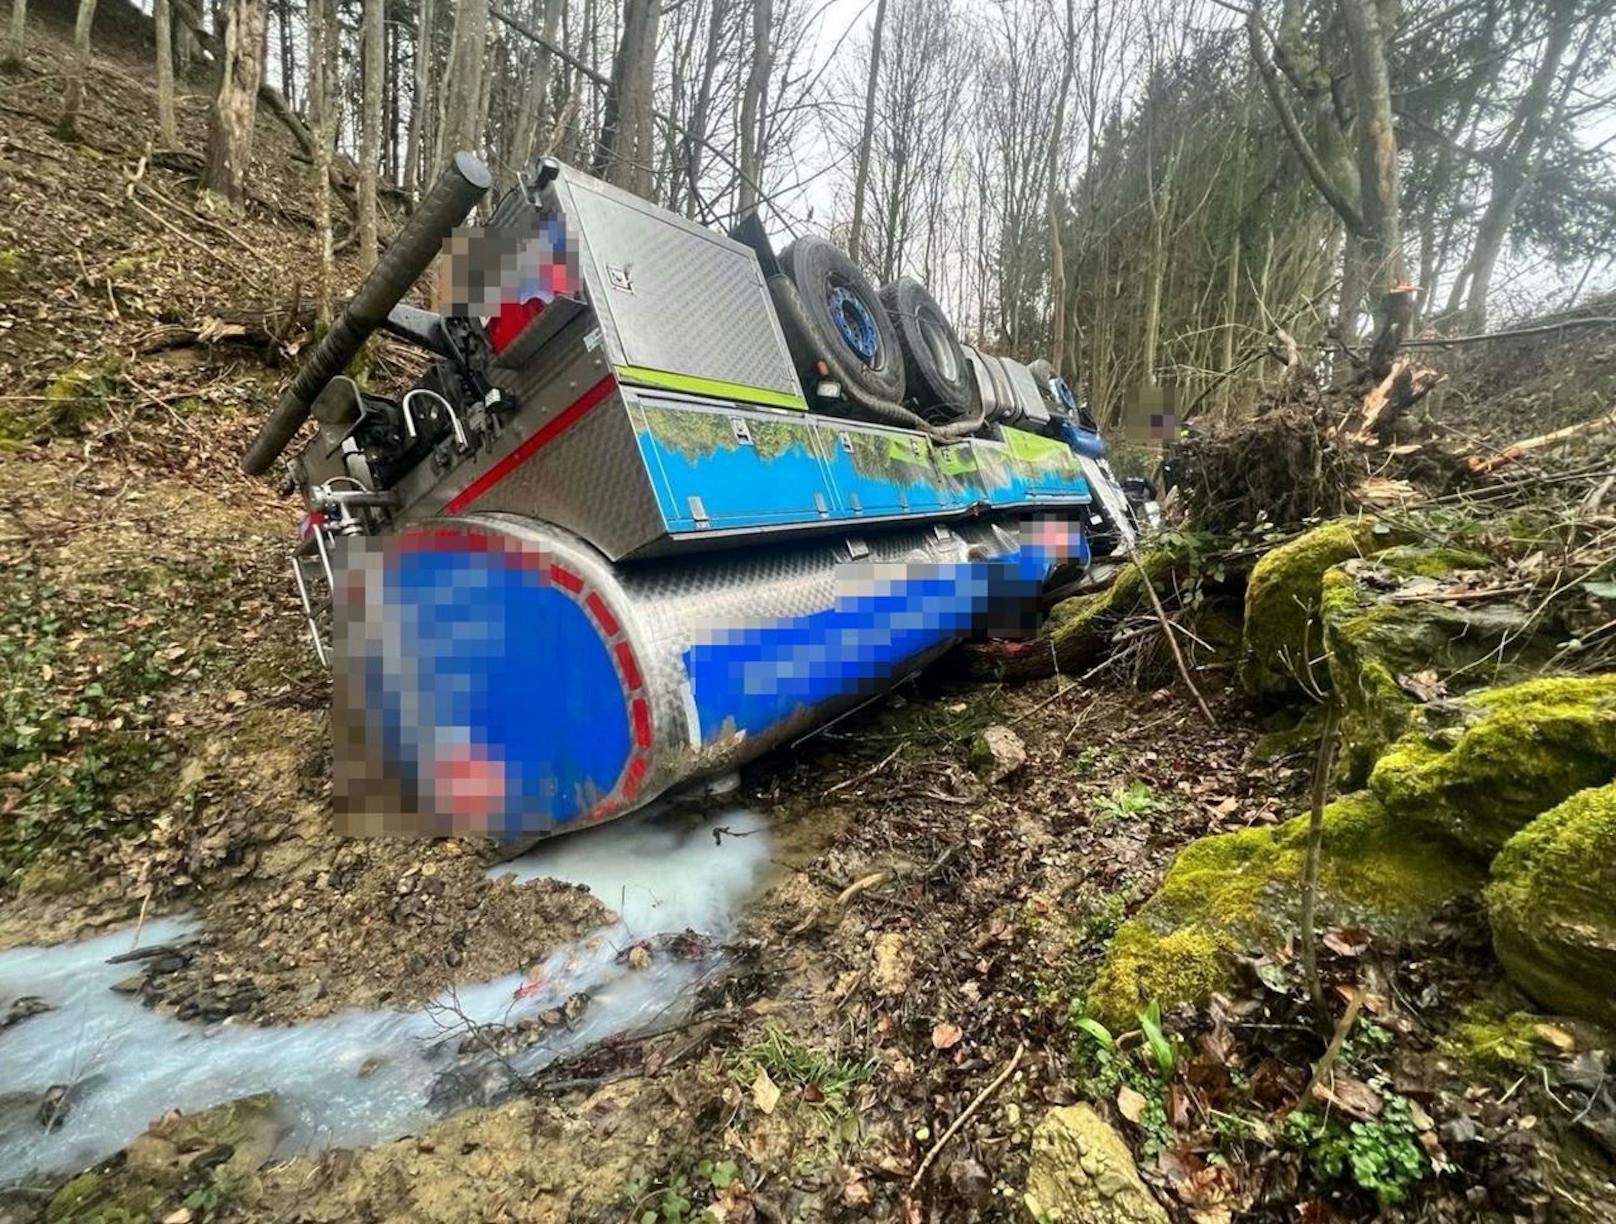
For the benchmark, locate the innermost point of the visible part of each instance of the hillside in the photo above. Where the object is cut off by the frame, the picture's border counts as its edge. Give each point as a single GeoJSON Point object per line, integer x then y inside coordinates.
{"type": "Point", "coordinates": [923, 933]}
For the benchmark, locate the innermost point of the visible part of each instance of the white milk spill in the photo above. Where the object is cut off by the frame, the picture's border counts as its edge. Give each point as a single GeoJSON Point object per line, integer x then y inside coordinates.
{"type": "Point", "coordinates": [361, 1076]}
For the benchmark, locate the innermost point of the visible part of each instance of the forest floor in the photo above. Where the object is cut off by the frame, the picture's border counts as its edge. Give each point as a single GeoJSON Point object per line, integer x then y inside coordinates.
{"type": "Point", "coordinates": [166, 749]}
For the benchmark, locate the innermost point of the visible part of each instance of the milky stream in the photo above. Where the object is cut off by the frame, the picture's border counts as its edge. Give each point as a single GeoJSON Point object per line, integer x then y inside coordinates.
{"type": "Point", "coordinates": [359, 1076]}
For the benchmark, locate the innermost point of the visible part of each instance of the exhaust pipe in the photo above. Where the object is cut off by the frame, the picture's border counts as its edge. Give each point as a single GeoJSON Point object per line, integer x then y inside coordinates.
{"type": "Point", "coordinates": [464, 181]}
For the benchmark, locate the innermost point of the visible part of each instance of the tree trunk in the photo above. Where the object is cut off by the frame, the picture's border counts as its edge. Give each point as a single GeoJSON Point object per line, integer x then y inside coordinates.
{"type": "Point", "coordinates": [373, 51]}
{"type": "Point", "coordinates": [1379, 200]}
{"type": "Point", "coordinates": [19, 30]}
{"type": "Point", "coordinates": [1514, 173]}
{"type": "Point", "coordinates": [861, 173]}
{"type": "Point", "coordinates": [1057, 252]}
{"type": "Point", "coordinates": [420, 100]}
{"type": "Point", "coordinates": [463, 87]}
{"type": "Point", "coordinates": [283, 22]}
{"type": "Point", "coordinates": [73, 98]}
{"type": "Point", "coordinates": [623, 153]}
{"type": "Point", "coordinates": [163, 20]}
{"type": "Point", "coordinates": [230, 122]}
{"type": "Point", "coordinates": [533, 106]}
{"type": "Point", "coordinates": [696, 132]}
{"type": "Point", "coordinates": [752, 107]}
{"type": "Point", "coordinates": [322, 34]}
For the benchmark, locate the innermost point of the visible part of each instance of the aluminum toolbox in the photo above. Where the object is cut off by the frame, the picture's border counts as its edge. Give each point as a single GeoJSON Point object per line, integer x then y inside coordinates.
{"type": "Point", "coordinates": [676, 305]}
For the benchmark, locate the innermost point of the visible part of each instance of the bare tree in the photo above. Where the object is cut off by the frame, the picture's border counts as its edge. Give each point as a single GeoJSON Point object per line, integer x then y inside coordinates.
{"type": "Point", "coordinates": [1360, 184]}
{"type": "Point", "coordinates": [162, 20]}
{"type": "Point", "coordinates": [861, 174]}
{"type": "Point", "coordinates": [230, 121]}
{"type": "Point", "coordinates": [1057, 252]}
{"type": "Point", "coordinates": [19, 28]}
{"type": "Point", "coordinates": [533, 105]}
{"type": "Point", "coordinates": [463, 87]}
{"type": "Point", "coordinates": [421, 104]}
{"type": "Point", "coordinates": [374, 51]}
{"type": "Point", "coordinates": [623, 151]}
{"type": "Point", "coordinates": [322, 62]}
{"type": "Point", "coordinates": [73, 97]}
{"type": "Point", "coordinates": [1520, 152]}
{"type": "Point", "coordinates": [752, 102]}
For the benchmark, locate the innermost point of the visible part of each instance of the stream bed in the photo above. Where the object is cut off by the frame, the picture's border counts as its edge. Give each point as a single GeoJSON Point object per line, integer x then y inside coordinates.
{"type": "Point", "coordinates": [78, 1081]}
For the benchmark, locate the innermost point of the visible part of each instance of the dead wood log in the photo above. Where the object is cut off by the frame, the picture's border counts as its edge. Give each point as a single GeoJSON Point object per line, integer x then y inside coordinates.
{"type": "Point", "coordinates": [267, 328]}
{"type": "Point", "coordinates": [1480, 465]}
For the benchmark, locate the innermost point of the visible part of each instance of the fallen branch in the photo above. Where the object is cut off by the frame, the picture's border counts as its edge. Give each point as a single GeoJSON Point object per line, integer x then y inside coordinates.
{"type": "Point", "coordinates": [1480, 465]}
{"type": "Point", "coordinates": [960, 1121]}
{"type": "Point", "coordinates": [1331, 1053]}
{"type": "Point", "coordinates": [867, 774]}
{"type": "Point", "coordinates": [1172, 638]}
{"type": "Point", "coordinates": [1510, 334]}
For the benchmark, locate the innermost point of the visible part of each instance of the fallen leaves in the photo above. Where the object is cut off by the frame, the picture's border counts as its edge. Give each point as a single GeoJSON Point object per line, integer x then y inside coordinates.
{"type": "Point", "coordinates": [945, 1036]}
{"type": "Point", "coordinates": [765, 1092]}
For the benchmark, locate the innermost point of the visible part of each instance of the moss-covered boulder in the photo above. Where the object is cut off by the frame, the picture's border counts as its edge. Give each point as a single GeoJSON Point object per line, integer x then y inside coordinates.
{"type": "Point", "coordinates": [1552, 906]}
{"type": "Point", "coordinates": [1080, 628]}
{"type": "Point", "coordinates": [1504, 756]}
{"type": "Point", "coordinates": [1081, 1172]}
{"type": "Point", "coordinates": [1385, 622]}
{"type": "Point", "coordinates": [1234, 891]}
{"type": "Point", "coordinates": [1282, 639]}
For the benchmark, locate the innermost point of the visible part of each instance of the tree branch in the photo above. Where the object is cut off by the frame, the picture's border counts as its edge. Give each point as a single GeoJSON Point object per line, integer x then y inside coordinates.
{"type": "Point", "coordinates": [1328, 187]}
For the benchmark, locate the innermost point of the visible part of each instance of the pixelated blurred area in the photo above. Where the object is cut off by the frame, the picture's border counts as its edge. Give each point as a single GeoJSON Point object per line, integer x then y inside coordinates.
{"type": "Point", "coordinates": [490, 680]}
{"type": "Point", "coordinates": [1150, 416]}
{"type": "Point", "coordinates": [506, 274]}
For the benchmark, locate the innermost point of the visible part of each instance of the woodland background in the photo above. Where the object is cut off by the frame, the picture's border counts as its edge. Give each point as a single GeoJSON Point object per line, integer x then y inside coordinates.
{"type": "Point", "coordinates": [1143, 190]}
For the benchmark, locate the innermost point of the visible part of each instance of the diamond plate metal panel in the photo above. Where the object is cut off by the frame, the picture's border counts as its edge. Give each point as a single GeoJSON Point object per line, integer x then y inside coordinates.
{"type": "Point", "coordinates": [672, 295]}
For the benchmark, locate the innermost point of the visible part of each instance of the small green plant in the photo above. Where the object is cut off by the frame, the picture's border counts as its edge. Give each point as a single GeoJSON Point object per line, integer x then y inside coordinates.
{"type": "Point", "coordinates": [1162, 1048]}
{"type": "Point", "coordinates": [1100, 918]}
{"type": "Point", "coordinates": [1382, 1157]}
{"type": "Point", "coordinates": [1086, 761]}
{"type": "Point", "coordinates": [791, 1061]}
{"type": "Point", "coordinates": [1135, 799]}
{"type": "Point", "coordinates": [1106, 1069]}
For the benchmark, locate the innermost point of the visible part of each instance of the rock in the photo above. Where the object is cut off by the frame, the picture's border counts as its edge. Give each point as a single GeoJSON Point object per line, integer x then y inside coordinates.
{"type": "Point", "coordinates": [23, 1007]}
{"type": "Point", "coordinates": [892, 964]}
{"type": "Point", "coordinates": [1552, 906]}
{"type": "Point", "coordinates": [1379, 640]}
{"type": "Point", "coordinates": [133, 984]}
{"type": "Point", "coordinates": [1082, 1173]}
{"type": "Point", "coordinates": [1079, 629]}
{"type": "Point", "coordinates": [996, 753]}
{"type": "Point", "coordinates": [1234, 891]}
{"type": "Point", "coordinates": [1282, 635]}
{"type": "Point", "coordinates": [1510, 754]}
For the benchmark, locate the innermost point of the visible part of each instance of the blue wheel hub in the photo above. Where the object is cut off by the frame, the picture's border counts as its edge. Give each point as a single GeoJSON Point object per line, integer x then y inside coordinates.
{"type": "Point", "coordinates": [855, 323]}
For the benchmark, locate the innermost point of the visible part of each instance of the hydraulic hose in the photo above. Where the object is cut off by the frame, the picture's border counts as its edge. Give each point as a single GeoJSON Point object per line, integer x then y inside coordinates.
{"type": "Point", "coordinates": [464, 181]}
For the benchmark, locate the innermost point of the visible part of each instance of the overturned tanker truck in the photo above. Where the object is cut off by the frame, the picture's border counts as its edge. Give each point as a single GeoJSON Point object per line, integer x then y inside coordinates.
{"type": "Point", "coordinates": [662, 502]}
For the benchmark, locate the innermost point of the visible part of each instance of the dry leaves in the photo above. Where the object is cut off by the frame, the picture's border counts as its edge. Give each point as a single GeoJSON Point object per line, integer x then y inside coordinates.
{"type": "Point", "coordinates": [765, 1093]}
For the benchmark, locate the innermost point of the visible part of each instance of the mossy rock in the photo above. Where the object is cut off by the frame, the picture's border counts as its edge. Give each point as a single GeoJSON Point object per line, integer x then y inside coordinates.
{"type": "Point", "coordinates": [1489, 1040]}
{"type": "Point", "coordinates": [1234, 891]}
{"type": "Point", "coordinates": [1282, 639]}
{"type": "Point", "coordinates": [1377, 628]}
{"type": "Point", "coordinates": [1080, 628]}
{"type": "Point", "coordinates": [1513, 753]}
{"type": "Point", "coordinates": [1552, 906]}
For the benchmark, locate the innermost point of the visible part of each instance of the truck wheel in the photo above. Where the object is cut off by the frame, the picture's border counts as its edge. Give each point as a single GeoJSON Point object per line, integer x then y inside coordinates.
{"type": "Point", "coordinates": [935, 371]}
{"type": "Point", "coordinates": [841, 322]}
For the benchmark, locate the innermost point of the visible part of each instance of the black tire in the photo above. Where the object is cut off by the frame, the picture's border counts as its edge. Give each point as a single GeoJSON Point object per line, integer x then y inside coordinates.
{"type": "Point", "coordinates": [938, 379]}
{"type": "Point", "coordinates": [838, 306]}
